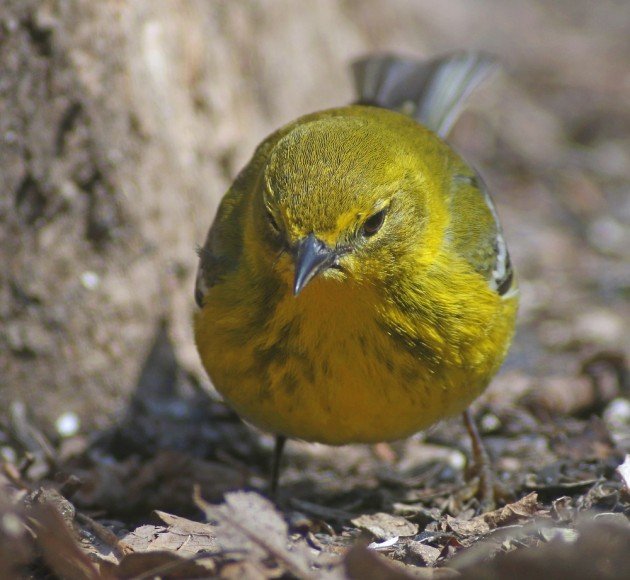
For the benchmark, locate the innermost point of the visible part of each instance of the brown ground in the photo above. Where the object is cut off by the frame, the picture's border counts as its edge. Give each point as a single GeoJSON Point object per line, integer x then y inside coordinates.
{"type": "Point", "coordinates": [551, 137]}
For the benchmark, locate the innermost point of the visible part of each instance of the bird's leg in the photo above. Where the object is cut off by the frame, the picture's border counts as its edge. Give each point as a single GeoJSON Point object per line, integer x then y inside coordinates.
{"type": "Point", "coordinates": [481, 465]}
{"type": "Point", "coordinates": [275, 465]}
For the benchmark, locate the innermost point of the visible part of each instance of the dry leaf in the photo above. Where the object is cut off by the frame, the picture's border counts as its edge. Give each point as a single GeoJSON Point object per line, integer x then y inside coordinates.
{"type": "Point", "coordinates": [61, 550]}
{"type": "Point", "coordinates": [148, 565]}
{"type": "Point", "coordinates": [151, 538]}
{"type": "Point", "coordinates": [421, 554]}
{"type": "Point", "coordinates": [474, 527]}
{"type": "Point", "coordinates": [16, 547]}
{"type": "Point", "coordinates": [185, 536]}
{"type": "Point", "coordinates": [520, 511]}
{"type": "Point", "coordinates": [250, 524]}
{"type": "Point", "coordinates": [98, 542]}
{"type": "Point", "coordinates": [363, 564]}
{"type": "Point", "coordinates": [385, 526]}
{"type": "Point", "coordinates": [600, 551]}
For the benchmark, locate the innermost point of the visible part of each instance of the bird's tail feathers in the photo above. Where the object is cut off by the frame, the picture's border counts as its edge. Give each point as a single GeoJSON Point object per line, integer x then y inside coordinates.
{"type": "Point", "coordinates": [432, 92]}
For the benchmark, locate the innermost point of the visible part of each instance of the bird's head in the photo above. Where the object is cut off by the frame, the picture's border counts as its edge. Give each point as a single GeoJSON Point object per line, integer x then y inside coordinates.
{"type": "Point", "coordinates": [345, 197]}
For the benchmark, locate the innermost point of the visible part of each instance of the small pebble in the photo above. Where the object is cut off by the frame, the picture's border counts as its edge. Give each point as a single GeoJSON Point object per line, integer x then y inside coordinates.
{"type": "Point", "coordinates": [489, 423]}
{"type": "Point", "coordinates": [11, 525]}
{"type": "Point", "coordinates": [457, 460]}
{"type": "Point", "coordinates": [90, 280]}
{"type": "Point", "coordinates": [8, 455]}
{"type": "Point", "coordinates": [68, 424]}
{"type": "Point", "coordinates": [617, 414]}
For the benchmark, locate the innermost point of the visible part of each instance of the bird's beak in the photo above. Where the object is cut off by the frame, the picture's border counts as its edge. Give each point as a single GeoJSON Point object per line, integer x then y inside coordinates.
{"type": "Point", "coordinates": [312, 256]}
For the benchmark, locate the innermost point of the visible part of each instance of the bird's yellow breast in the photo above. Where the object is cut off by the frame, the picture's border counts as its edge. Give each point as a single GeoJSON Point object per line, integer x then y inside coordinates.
{"type": "Point", "coordinates": [328, 365]}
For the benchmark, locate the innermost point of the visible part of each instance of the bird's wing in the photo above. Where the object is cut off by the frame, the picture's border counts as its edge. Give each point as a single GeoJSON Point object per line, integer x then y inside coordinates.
{"type": "Point", "coordinates": [476, 233]}
{"type": "Point", "coordinates": [221, 251]}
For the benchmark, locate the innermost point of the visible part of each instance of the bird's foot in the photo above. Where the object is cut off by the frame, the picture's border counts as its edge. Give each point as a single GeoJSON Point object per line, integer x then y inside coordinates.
{"type": "Point", "coordinates": [488, 489]}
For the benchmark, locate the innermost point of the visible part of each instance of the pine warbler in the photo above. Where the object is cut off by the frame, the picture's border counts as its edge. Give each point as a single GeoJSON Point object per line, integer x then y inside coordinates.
{"type": "Point", "coordinates": [355, 286]}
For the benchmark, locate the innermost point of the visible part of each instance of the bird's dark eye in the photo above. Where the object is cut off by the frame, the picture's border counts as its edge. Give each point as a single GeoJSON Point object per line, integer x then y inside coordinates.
{"type": "Point", "coordinates": [374, 223]}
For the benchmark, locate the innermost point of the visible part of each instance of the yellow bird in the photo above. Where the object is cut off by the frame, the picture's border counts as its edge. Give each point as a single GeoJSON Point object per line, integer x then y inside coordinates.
{"type": "Point", "coordinates": [355, 286]}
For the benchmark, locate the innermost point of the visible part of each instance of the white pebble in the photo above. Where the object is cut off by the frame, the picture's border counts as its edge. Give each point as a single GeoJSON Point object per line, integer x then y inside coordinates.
{"type": "Point", "coordinates": [12, 525]}
{"type": "Point", "coordinates": [457, 460]}
{"type": "Point", "coordinates": [489, 422]}
{"type": "Point", "coordinates": [90, 280]}
{"type": "Point", "coordinates": [68, 424]}
{"type": "Point", "coordinates": [8, 454]}
{"type": "Point", "coordinates": [617, 413]}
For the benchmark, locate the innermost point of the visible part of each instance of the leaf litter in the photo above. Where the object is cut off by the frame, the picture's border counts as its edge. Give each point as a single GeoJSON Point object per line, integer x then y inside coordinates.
{"type": "Point", "coordinates": [423, 523]}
